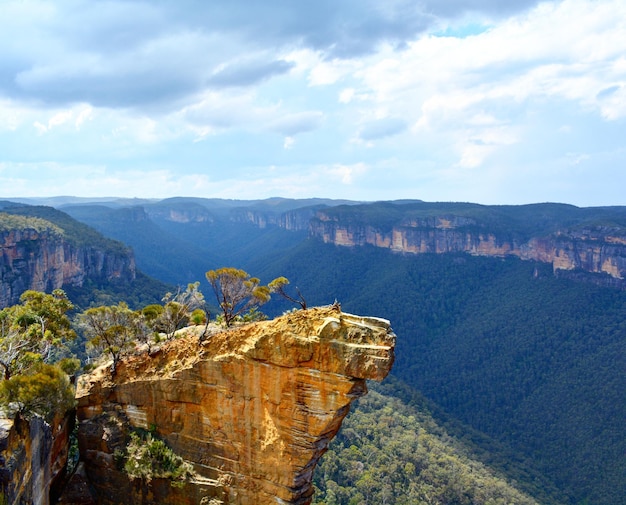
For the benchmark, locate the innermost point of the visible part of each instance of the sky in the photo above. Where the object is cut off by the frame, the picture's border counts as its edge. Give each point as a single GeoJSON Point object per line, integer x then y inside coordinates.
{"type": "Point", "coordinates": [485, 101]}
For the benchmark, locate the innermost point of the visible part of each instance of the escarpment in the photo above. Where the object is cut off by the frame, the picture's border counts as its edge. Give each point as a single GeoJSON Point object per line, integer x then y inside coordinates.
{"type": "Point", "coordinates": [252, 409]}
{"type": "Point", "coordinates": [33, 457]}
{"type": "Point", "coordinates": [595, 249]}
{"type": "Point", "coordinates": [44, 260]}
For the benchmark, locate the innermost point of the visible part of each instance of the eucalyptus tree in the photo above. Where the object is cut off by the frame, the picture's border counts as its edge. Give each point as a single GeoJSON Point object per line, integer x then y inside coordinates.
{"type": "Point", "coordinates": [112, 329]}
{"type": "Point", "coordinates": [236, 292]}
{"type": "Point", "coordinates": [32, 330]}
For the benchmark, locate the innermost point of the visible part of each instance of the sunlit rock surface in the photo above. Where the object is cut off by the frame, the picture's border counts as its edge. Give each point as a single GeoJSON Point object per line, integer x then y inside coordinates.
{"type": "Point", "coordinates": [252, 409]}
{"type": "Point", "coordinates": [33, 457]}
{"type": "Point", "coordinates": [45, 261]}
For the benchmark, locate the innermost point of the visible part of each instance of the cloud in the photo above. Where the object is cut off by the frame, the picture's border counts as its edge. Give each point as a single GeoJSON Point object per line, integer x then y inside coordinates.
{"type": "Point", "coordinates": [247, 73]}
{"type": "Point", "coordinates": [289, 143]}
{"type": "Point", "coordinates": [455, 8]}
{"type": "Point", "coordinates": [381, 128]}
{"type": "Point", "coordinates": [294, 123]}
{"type": "Point", "coordinates": [130, 53]}
{"type": "Point", "coordinates": [460, 90]}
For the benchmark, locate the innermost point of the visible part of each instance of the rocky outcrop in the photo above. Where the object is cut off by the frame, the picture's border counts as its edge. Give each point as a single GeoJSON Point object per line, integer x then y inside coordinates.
{"type": "Point", "coordinates": [33, 457]}
{"type": "Point", "coordinates": [292, 220]}
{"type": "Point", "coordinates": [593, 249]}
{"type": "Point", "coordinates": [252, 409]}
{"type": "Point", "coordinates": [44, 260]}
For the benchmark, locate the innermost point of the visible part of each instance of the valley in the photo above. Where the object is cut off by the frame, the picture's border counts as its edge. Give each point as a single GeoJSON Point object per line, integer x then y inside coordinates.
{"type": "Point", "coordinates": [510, 320]}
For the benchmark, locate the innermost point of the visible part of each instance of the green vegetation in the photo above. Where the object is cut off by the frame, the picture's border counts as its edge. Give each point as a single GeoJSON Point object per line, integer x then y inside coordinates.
{"type": "Point", "coordinates": [532, 360]}
{"type": "Point", "coordinates": [178, 309]}
{"type": "Point", "coordinates": [35, 330]}
{"type": "Point", "coordinates": [113, 329]}
{"type": "Point", "coordinates": [34, 334]}
{"type": "Point", "coordinates": [147, 458]}
{"type": "Point", "coordinates": [74, 231]}
{"type": "Point", "coordinates": [236, 292]}
{"type": "Point", "coordinates": [137, 293]}
{"type": "Point", "coordinates": [10, 222]}
{"type": "Point", "coordinates": [278, 286]}
{"type": "Point", "coordinates": [387, 452]}
{"type": "Point", "coordinates": [43, 390]}
{"type": "Point", "coordinates": [519, 222]}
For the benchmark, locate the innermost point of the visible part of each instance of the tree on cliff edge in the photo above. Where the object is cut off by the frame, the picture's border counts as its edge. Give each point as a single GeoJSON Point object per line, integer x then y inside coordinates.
{"type": "Point", "coordinates": [112, 329]}
{"type": "Point", "coordinates": [278, 286]}
{"type": "Point", "coordinates": [236, 292]}
{"type": "Point", "coordinates": [33, 330]}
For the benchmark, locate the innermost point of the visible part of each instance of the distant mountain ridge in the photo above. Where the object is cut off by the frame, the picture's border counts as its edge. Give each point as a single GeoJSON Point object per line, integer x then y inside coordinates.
{"type": "Point", "coordinates": [44, 249]}
{"type": "Point", "coordinates": [513, 348]}
{"type": "Point", "coordinates": [569, 238]}
{"type": "Point", "coordinates": [54, 255]}
{"type": "Point", "coordinates": [201, 233]}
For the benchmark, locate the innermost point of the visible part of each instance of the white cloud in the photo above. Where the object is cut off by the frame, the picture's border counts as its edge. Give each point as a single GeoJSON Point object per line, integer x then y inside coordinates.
{"type": "Point", "coordinates": [467, 97]}
{"type": "Point", "coordinates": [346, 174]}
{"type": "Point", "coordinates": [289, 143]}
{"type": "Point", "coordinates": [346, 95]}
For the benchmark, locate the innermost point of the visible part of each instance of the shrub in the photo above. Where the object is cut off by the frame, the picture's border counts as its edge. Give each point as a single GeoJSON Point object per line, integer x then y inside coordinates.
{"type": "Point", "coordinates": [45, 390]}
{"type": "Point", "coordinates": [149, 458]}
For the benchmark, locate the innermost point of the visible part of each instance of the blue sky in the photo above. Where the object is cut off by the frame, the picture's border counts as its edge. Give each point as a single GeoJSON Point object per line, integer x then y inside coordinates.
{"type": "Point", "coordinates": [441, 100]}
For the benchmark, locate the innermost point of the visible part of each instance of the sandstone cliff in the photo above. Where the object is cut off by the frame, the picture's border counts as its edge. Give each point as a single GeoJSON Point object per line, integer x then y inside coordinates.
{"type": "Point", "coordinates": [252, 409]}
{"type": "Point", "coordinates": [45, 260]}
{"type": "Point", "coordinates": [33, 455]}
{"type": "Point", "coordinates": [598, 249]}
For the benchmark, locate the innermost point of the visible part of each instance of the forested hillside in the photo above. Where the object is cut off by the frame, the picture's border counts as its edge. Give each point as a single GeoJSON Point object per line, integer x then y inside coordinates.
{"type": "Point", "coordinates": [532, 360]}
{"type": "Point", "coordinates": [51, 250]}
{"type": "Point", "coordinates": [535, 361]}
{"type": "Point", "coordinates": [389, 451]}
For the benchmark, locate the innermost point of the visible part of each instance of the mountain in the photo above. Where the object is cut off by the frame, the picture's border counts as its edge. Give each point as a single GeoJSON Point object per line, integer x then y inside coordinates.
{"type": "Point", "coordinates": [177, 240]}
{"type": "Point", "coordinates": [45, 249]}
{"type": "Point", "coordinates": [391, 451]}
{"type": "Point", "coordinates": [509, 318]}
{"type": "Point", "coordinates": [575, 241]}
{"type": "Point", "coordinates": [534, 361]}
{"type": "Point", "coordinates": [571, 239]}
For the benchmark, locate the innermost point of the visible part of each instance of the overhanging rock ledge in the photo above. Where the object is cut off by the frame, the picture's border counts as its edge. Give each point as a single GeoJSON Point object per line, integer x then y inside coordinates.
{"type": "Point", "coordinates": [252, 408]}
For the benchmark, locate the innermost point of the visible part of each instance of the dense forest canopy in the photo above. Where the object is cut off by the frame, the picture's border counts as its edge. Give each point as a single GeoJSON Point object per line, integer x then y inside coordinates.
{"type": "Point", "coordinates": [531, 360]}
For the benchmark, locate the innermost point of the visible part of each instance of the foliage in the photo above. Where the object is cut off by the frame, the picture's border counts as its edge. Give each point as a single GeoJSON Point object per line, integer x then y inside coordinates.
{"type": "Point", "coordinates": [278, 286]}
{"type": "Point", "coordinates": [33, 330]}
{"type": "Point", "coordinates": [236, 292]}
{"type": "Point", "coordinates": [137, 293]}
{"type": "Point", "coordinates": [113, 329]}
{"type": "Point", "coordinates": [529, 359]}
{"type": "Point", "coordinates": [148, 458]}
{"type": "Point", "coordinates": [69, 365]}
{"type": "Point", "coordinates": [74, 231]}
{"type": "Point", "coordinates": [389, 453]}
{"type": "Point", "coordinates": [177, 309]}
{"type": "Point", "coordinates": [514, 221]}
{"type": "Point", "coordinates": [44, 390]}
{"type": "Point", "coordinates": [10, 222]}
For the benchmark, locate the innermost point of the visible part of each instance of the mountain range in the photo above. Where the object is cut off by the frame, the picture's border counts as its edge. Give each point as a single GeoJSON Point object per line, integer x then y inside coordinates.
{"type": "Point", "coordinates": [510, 319]}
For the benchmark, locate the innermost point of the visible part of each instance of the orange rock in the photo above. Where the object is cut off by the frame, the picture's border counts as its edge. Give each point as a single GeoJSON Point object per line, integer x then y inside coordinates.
{"type": "Point", "coordinates": [252, 408]}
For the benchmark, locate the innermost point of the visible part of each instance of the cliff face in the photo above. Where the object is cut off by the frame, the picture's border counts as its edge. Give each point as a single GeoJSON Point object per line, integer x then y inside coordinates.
{"type": "Point", "coordinates": [594, 249]}
{"type": "Point", "coordinates": [33, 455]}
{"type": "Point", "coordinates": [293, 220]}
{"type": "Point", "coordinates": [252, 409]}
{"type": "Point", "coordinates": [44, 261]}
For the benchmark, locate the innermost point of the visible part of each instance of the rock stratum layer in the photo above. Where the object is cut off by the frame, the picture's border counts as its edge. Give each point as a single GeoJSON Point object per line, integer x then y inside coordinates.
{"type": "Point", "coordinates": [594, 249]}
{"type": "Point", "coordinates": [252, 408]}
{"type": "Point", "coordinates": [33, 455]}
{"type": "Point", "coordinates": [45, 260]}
